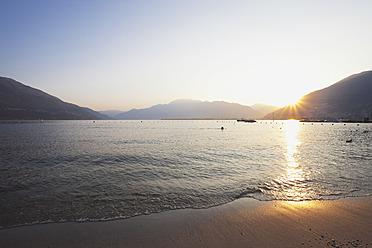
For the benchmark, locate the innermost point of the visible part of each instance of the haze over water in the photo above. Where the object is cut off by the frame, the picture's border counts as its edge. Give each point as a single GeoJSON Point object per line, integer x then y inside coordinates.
{"type": "Point", "coordinates": [80, 170]}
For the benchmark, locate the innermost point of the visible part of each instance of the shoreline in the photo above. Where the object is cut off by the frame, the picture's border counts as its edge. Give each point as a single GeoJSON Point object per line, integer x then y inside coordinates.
{"type": "Point", "coordinates": [245, 222]}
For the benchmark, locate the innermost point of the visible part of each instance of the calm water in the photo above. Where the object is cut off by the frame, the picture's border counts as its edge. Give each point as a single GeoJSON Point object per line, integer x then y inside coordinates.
{"type": "Point", "coordinates": [80, 170]}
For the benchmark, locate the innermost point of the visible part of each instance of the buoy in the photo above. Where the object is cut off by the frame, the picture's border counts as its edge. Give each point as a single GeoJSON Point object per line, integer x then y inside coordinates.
{"type": "Point", "coordinates": [222, 128]}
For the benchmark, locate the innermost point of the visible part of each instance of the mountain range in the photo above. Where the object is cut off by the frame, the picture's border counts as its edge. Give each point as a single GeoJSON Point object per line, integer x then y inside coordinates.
{"type": "Point", "coordinates": [22, 102]}
{"type": "Point", "coordinates": [350, 98]}
{"type": "Point", "coordinates": [193, 109]}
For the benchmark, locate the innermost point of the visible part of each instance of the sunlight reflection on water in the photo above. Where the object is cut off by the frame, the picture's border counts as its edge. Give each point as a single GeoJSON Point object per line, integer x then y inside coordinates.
{"type": "Point", "coordinates": [291, 129]}
{"type": "Point", "coordinates": [293, 184]}
{"type": "Point", "coordinates": [295, 174]}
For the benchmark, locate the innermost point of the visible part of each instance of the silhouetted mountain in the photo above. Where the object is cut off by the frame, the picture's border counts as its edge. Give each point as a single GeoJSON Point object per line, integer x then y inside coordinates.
{"type": "Point", "coordinates": [97, 114]}
{"type": "Point", "coordinates": [191, 109]}
{"type": "Point", "coordinates": [263, 108]}
{"type": "Point", "coordinates": [350, 98]}
{"type": "Point", "coordinates": [21, 102]}
{"type": "Point", "coordinates": [111, 113]}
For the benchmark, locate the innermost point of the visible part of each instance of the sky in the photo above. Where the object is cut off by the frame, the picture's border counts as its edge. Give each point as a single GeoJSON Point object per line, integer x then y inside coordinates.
{"type": "Point", "coordinates": [117, 54]}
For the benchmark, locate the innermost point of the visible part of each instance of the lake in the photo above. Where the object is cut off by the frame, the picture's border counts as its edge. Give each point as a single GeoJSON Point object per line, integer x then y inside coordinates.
{"type": "Point", "coordinates": [57, 171]}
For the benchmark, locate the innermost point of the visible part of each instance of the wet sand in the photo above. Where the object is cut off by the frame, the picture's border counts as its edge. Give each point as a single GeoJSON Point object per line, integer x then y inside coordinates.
{"type": "Point", "coordinates": [243, 223]}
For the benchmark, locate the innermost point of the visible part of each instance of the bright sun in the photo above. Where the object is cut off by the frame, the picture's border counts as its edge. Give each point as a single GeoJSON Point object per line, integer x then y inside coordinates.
{"type": "Point", "coordinates": [294, 102]}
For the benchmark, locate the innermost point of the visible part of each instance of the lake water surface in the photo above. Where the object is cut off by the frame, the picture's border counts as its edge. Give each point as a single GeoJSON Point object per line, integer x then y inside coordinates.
{"type": "Point", "coordinates": [59, 171]}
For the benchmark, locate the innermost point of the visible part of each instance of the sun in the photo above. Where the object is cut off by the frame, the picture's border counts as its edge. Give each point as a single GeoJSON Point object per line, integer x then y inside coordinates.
{"type": "Point", "coordinates": [294, 103]}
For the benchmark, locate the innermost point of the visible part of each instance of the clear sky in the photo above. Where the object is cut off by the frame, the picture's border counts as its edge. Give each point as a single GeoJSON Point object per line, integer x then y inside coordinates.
{"type": "Point", "coordinates": [116, 54]}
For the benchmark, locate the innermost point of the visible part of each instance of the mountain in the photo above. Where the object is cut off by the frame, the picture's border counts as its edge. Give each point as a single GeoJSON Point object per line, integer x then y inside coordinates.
{"type": "Point", "coordinates": [98, 115]}
{"type": "Point", "coordinates": [191, 109]}
{"type": "Point", "coordinates": [263, 108]}
{"type": "Point", "coordinates": [22, 102]}
{"type": "Point", "coordinates": [111, 113]}
{"type": "Point", "coordinates": [350, 98]}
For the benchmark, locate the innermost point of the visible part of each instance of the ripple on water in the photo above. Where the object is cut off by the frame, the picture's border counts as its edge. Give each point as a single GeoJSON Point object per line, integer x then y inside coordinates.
{"type": "Point", "coordinates": [78, 171]}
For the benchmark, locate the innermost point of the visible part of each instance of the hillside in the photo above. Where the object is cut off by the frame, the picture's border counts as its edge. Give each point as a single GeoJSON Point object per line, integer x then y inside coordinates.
{"type": "Point", "coordinates": [263, 108]}
{"type": "Point", "coordinates": [191, 109]}
{"type": "Point", "coordinates": [22, 102]}
{"type": "Point", "coordinates": [350, 98]}
{"type": "Point", "coordinates": [111, 113]}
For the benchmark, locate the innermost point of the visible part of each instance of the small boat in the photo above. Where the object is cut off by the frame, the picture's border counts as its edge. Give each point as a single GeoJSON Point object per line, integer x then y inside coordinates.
{"type": "Point", "coordinates": [245, 120]}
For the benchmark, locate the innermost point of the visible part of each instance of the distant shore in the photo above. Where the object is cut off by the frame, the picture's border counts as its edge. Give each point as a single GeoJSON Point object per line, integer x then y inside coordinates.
{"type": "Point", "coordinates": [183, 119]}
{"type": "Point", "coordinates": [243, 223]}
{"type": "Point", "coordinates": [345, 121]}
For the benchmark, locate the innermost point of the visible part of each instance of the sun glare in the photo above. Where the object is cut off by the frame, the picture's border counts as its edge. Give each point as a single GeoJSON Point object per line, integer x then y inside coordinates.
{"type": "Point", "coordinates": [294, 103]}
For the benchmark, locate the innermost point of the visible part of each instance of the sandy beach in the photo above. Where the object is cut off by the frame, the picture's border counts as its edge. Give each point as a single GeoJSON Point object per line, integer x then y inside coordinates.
{"type": "Point", "coordinates": [243, 223]}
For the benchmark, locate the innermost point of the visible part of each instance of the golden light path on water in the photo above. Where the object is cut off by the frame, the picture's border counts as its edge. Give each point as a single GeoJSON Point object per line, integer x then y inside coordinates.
{"type": "Point", "coordinates": [293, 182]}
